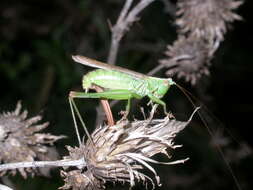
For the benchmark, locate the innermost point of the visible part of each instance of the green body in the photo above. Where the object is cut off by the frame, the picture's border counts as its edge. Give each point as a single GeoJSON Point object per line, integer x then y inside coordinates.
{"type": "Point", "coordinates": [148, 86]}
{"type": "Point", "coordinates": [120, 83]}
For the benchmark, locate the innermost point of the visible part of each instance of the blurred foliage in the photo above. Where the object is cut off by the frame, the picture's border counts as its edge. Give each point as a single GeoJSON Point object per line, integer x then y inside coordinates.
{"type": "Point", "coordinates": [37, 39]}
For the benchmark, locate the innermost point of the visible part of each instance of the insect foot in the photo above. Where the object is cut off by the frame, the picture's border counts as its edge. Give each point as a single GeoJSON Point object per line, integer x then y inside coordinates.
{"type": "Point", "coordinates": [170, 115]}
{"type": "Point", "coordinates": [124, 116]}
{"type": "Point", "coordinates": [121, 152]}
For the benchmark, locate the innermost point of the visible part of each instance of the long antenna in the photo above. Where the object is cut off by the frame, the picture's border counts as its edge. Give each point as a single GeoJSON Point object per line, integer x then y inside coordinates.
{"type": "Point", "coordinates": [189, 95]}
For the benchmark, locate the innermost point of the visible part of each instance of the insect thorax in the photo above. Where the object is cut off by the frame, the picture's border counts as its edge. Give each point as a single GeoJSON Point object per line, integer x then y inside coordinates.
{"type": "Point", "coordinates": [159, 86]}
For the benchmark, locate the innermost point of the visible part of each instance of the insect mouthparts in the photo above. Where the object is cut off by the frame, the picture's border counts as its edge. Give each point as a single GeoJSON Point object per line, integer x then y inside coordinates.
{"type": "Point", "coordinates": [171, 82]}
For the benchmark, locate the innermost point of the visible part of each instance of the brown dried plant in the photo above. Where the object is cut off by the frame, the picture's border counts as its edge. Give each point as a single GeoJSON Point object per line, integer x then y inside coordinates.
{"type": "Point", "coordinates": [20, 140]}
{"type": "Point", "coordinates": [206, 18]}
{"type": "Point", "coordinates": [189, 58]}
{"type": "Point", "coordinates": [202, 25]}
{"type": "Point", "coordinates": [119, 153]}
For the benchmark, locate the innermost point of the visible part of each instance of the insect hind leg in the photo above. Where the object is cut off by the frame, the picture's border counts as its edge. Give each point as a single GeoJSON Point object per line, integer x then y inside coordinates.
{"type": "Point", "coordinates": [74, 110]}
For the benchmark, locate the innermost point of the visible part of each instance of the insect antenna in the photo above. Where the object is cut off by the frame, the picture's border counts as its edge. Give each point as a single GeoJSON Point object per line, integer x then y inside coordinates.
{"type": "Point", "coordinates": [74, 109]}
{"type": "Point", "coordinates": [211, 132]}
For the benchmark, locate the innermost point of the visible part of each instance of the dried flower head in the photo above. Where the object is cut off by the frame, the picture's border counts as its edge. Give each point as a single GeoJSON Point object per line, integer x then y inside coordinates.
{"type": "Point", "coordinates": [206, 18]}
{"type": "Point", "coordinates": [189, 58]}
{"type": "Point", "coordinates": [120, 152]}
{"type": "Point", "coordinates": [20, 140]}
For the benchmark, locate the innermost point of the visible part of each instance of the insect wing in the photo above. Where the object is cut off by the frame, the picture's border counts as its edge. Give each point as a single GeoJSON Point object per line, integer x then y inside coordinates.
{"type": "Point", "coordinates": [97, 64]}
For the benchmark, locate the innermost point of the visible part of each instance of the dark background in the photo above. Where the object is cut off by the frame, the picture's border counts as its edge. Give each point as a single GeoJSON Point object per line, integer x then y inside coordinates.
{"type": "Point", "coordinates": [37, 39]}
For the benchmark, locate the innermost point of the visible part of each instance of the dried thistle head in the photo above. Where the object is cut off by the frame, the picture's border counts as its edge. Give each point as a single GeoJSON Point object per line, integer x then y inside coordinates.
{"type": "Point", "coordinates": [121, 152]}
{"type": "Point", "coordinates": [188, 58]}
{"type": "Point", "coordinates": [20, 140]}
{"type": "Point", "coordinates": [206, 18]}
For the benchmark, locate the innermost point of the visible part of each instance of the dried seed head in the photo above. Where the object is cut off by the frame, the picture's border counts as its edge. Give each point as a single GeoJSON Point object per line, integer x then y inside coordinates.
{"type": "Point", "coordinates": [121, 152]}
{"type": "Point", "coordinates": [189, 58]}
{"type": "Point", "coordinates": [206, 18]}
{"type": "Point", "coordinates": [20, 140]}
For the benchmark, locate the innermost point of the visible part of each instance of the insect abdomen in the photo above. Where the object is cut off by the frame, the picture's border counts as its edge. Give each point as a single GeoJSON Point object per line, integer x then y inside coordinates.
{"type": "Point", "coordinates": [109, 80]}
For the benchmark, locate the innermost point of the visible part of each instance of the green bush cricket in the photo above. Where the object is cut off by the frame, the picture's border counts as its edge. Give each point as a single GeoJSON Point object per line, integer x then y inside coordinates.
{"type": "Point", "coordinates": [122, 84]}
{"type": "Point", "coordinates": [118, 84]}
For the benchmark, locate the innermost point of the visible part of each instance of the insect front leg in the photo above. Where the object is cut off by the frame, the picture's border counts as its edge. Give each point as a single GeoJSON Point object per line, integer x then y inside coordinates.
{"type": "Point", "coordinates": [159, 101]}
